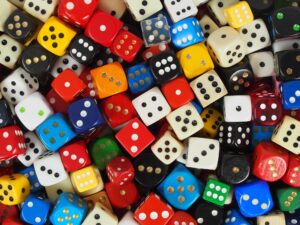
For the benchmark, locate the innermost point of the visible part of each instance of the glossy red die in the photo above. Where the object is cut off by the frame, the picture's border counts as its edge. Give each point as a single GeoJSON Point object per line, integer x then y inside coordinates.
{"type": "Point", "coordinates": [153, 211]}
{"type": "Point", "coordinates": [181, 218]}
{"type": "Point", "coordinates": [266, 108]}
{"type": "Point", "coordinates": [86, 77]}
{"type": "Point", "coordinates": [135, 137]}
{"type": "Point", "coordinates": [103, 28]}
{"type": "Point", "coordinates": [12, 142]}
{"type": "Point", "coordinates": [56, 102]}
{"type": "Point", "coordinates": [75, 156]}
{"type": "Point", "coordinates": [122, 196]}
{"type": "Point", "coordinates": [76, 12]}
{"type": "Point", "coordinates": [177, 92]}
{"type": "Point", "coordinates": [270, 161]}
{"type": "Point", "coordinates": [118, 109]}
{"type": "Point", "coordinates": [120, 170]}
{"type": "Point", "coordinates": [67, 85]}
{"type": "Point", "coordinates": [292, 175]}
{"type": "Point", "coordinates": [154, 50]}
{"type": "Point", "coordinates": [126, 45]}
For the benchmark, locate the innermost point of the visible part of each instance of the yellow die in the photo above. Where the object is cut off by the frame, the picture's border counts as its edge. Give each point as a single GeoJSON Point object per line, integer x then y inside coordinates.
{"type": "Point", "coordinates": [195, 60]}
{"type": "Point", "coordinates": [87, 181]}
{"type": "Point", "coordinates": [55, 36]}
{"type": "Point", "coordinates": [14, 189]}
{"type": "Point", "coordinates": [239, 14]}
{"type": "Point", "coordinates": [212, 120]}
{"type": "Point", "coordinates": [109, 79]}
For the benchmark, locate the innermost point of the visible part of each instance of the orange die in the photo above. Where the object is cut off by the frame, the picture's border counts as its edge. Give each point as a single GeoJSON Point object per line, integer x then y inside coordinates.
{"type": "Point", "coordinates": [109, 79]}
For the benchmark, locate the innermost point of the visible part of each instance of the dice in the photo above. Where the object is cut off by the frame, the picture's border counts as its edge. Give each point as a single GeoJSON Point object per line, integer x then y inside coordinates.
{"type": "Point", "coordinates": [6, 116]}
{"type": "Point", "coordinates": [290, 95]}
{"type": "Point", "coordinates": [216, 192]}
{"type": "Point", "coordinates": [66, 62]}
{"type": "Point", "coordinates": [40, 9]}
{"type": "Point", "coordinates": [207, 213]}
{"type": "Point", "coordinates": [237, 108]}
{"type": "Point", "coordinates": [120, 170]}
{"type": "Point", "coordinates": [12, 49]}
{"type": "Point", "coordinates": [143, 10]}
{"type": "Point", "coordinates": [179, 10]}
{"type": "Point", "coordinates": [238, 14]}
{"type": "Point", "coordinates": [217, 9]}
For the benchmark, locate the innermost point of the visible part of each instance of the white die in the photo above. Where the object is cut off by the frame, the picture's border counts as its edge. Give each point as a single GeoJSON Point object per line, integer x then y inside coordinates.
{"type": "Point", "coordinates": [262, 64]}
{"type": "Point", "coordinates": [45, 8]}
{"type": "Point", "coordinates": [183, 157]}
{"type": "Point", "coordinates": [104, 216]}
{"type": "Point", "coordinates": [217, 8]}
{"type": "Point", "coordinates": [18, 85]}
{"type": "Point", "coordinates": [151, 106]}
{"type": "Point", "coordinates": [33, 110]}
{"type": "Point", "coordinates": [66, 62]}
{"type": "Point", "coordinates": [18, 3]}
{"type": "Point", "coordinates": [203, 153]}
{"type": "Point", "coordinates": [208, 88]}
{"type": "Point", "coordinates": [55, 190]}
{"type": "Point", "coordinates": [226, 46]}
{"type": "Point", "coordinates": [116, 8]}
{"type": "Point", "coordinates": [185, 121]}
{"type": "Point", "coordinates": [255, 36]}
{"type": "Point", "coordinates": [5, 10]}
{"type": "Point", "coordinates": [141, 10]}
{"type": "Point", "coordinates": [128, 219]}
{"type": "Point", "coordinates": [49, 169]}
{"type": "Point", "coordinates": [34, 149]}
{"type": "Point", "coordinates": [237, 108]}
{"type": "Point", "coordinates": [200, 2]}
{"type": "Point", "coordinates": [284, 45]}
{"type": "Point", "coordinates": [273, 218]}
{"type": "Point", "coordinates": [167, 148]}
{"type": "Point", "coordinates": [208, 25]}
{"type": "Point", "coordinates": [179, 10]}
{"type": "Point", "coordinates": [10, 51]}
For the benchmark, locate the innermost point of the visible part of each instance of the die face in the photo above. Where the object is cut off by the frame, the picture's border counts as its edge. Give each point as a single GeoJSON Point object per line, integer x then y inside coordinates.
{"type": "Point", "coordinates": [120, 170]}
{"type": "Point", "coordinates": [12, 49]}
{"type": "Point", "coordinates": [186, 32]}
{"type": "Point", "coordinates": [237, 108]}
{"type": "Point", "coordinates": [151, 106]}
{"type": "Point", "coordinates": [55, 132]}
{"type": "Point", "coordinates": [216, 192]}
{"type": "Point", "coordinates": [185, 121]}
{"type": "Point", "coordinates": [55, 190]}
{"type": "Point", "coordinates": [77, 13]}
{"type": "Point", "coordinates": [115, 8]}
{"type": "Point", "coordinates": [292, 217]}
{"type": "Point", "coordinates": [290, 95]}
{"type": "Point", "coordinates": [149, 170]}
{"type": "Point", "coordinates": [6, 117]}
{"type": "Point", "coordinates": [164, 67]}
{"type": "Point", "coordinates": [85, 115]}
{"type": "Point", "coordinates": [250, 202]}
{"type": "Point", "coordinates": [143, 10]}
{"type": "Point", "coordinates": [55, 36]}
{"type": "Point", "coordinates": [208, 25]}
{"type": "Point", "coordinates": [180, 188]}
{"type": "Point", "coordinates": [207, 213]}
{"type": "Point", "coordinates": [287, 69]}
{"type": "Point", "coordinates": [20, 26]}
{"type": "Point", "coordinates": [288, 199]}
{"type": "Point", "coordinates": [212, 119]}
{"type": "Point", "coordinates": [262, 64]}
{"type": "Point", "coordinates": [155, 31]}
{"type": "Point", "coordinates": [107, 28]}
{"type": "Point", "coordinates": [35, 185]}
{"type": "Point", "coordinates": [239, 14]}
{"type": "Point", "coordinates": [285, 44]}
{"type": "Point", "coordinates": [40, 9]}
{"type": "Point", "coordinates": [217, 8]}
{"type": "Point", "coordinates": [275, 218]}
{"type": "Point", "coordinates": [292, 174]}
{"type": "Point", "coordinates": [255, 35]}
{"type": "Point", "coordinates": [66, 62]}
{"type": "Point", "coordinates": [180, 10]}
{"type": "Point", "coordinates": [208, 156]}
{"type": "Point", "coordinates": [129, 137]}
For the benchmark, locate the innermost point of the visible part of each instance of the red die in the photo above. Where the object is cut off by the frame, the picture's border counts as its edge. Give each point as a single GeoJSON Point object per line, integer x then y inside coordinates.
{"type": "Point", "coordinates": [181, 218]}
{"type": "Point", "coordinates": [120, 170]}
{"type": "Point", "coordinates": [292, 175]}
{"type": "Point", "coordinates": [154, 50]}
{"type": "Point", "coordinates": [122, 196]}
{"type": "Point", "coordinates": [178, 92]}
{"type": "Point", "coordinates": [270, 161]}
{"type": "Point", "coordinates": [118, 109]}
{"type": "Point", "coordinates": [56, 102]}
{"type": "Point", "coordinates": [74, 156]}
{"type": "Point", "coordinates": [293, 113]}
{"type": "Point", "coordinates": [77, 12]}
{"type": "Point", "coordinates": [126, 45]}
{"type": "Point", "coordinates": [103, 28]}
{"type": "Point", "coordinates": [153, 211]}
{"type": "Point", "coordinates": [135, 137]}
{"type": "Point", "coordinates": [12, 142]}
{"type": "Point", "coordinates": [12, 220]}
{"type": "Point", "coordinates": [258, 87]}
{"type": "Point", "coordinates": [266, 108]}
{"type": "Point", "coordinates": [86, 77]}
{"type": "Point", "coordinates": [7, 211]}
{"type": "Point", "coordinates": [67, 85]}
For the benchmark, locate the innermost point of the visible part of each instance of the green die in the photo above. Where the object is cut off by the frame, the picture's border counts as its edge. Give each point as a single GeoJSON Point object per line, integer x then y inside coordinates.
{"type": "Point", "coordinates": [288, 198]}
{"type": "Point", "coordinates": [103, 150]}
{"type": "Point", "coordinates": [216, 192]}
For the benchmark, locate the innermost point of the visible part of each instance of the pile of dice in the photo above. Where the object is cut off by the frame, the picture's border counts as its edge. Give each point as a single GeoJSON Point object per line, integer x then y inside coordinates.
{"type": "Point", "coordinates": [143, 112]}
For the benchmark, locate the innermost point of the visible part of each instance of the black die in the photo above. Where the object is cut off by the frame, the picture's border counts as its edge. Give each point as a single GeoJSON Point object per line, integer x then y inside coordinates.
{"type": "Point", "coordinates": [208, 214]}
{"type": "Point", "coordinates": [288, 65]}
{"type": "Point", "coordinates": [20, 26]}
{"type": "Point", "coordinates": [36, 60]}
{"type": "Point", "coordinates": [261, 6]}
{"type": "Point", "coordinates": [107, 57]}
{"type": "Point", "coordinates": [5, 114]}
{"type": "Point", "coordinates": [165, 67]}
{"type": "Point", "coordinates": [83, 49]}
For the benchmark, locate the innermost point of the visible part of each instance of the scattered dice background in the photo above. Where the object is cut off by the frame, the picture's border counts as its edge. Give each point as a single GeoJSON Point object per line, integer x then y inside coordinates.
{"type": "Point", "coordinates": [142, 112]}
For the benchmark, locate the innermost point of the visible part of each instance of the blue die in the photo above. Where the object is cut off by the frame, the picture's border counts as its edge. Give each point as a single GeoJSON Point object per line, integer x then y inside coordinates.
{"type": "Point", "coordinates": [181, 188]}
{"type": "Point", "coordinates": [84, 115]}
{"type": "Point", "coordinates": [261, 133]}
{"type": "Point", "coordinates": [55, 132]}
{"type": "Point", "coordinates": [233, 217]}
{"type": "Point", "coordinates": [254, 198]}
{"type": "Point", "coordinates": [186, 32]}
{"type": "Point", "coordinates": [35, 210]}
{"type": "Point", "coordinates": [290, 93]}
{"type": "Point", "coordinates": [139, 78]}
{"type": "Point", "coordinates": [35, 185]}
{"type": "Point", "coordinates": [69, 209]}
{"type": "Point", "coordinates": [293, 217]}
